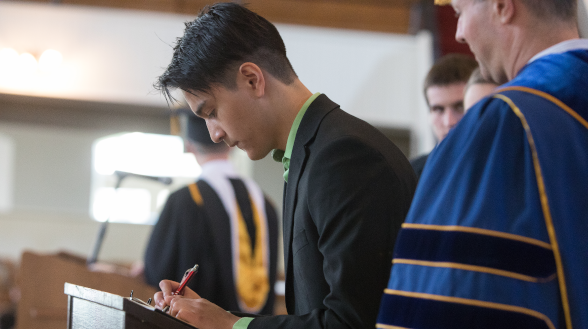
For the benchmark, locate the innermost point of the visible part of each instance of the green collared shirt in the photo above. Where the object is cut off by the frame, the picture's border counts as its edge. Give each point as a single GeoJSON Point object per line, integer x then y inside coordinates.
{"type": "Point", "coordinates": [243, 323]}
{"type": "Point", "coordinates": [285, 156]}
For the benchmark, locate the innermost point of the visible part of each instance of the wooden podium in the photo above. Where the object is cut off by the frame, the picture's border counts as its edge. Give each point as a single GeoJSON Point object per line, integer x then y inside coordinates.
{"type": "Point", "coordinates": [89, 309]}
{"type": "Point", "coordinates": [41, 279]}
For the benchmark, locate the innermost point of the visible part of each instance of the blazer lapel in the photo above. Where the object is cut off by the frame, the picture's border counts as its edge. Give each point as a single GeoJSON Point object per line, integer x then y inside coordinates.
{"type": "Point", "coordinates": [305, 135]}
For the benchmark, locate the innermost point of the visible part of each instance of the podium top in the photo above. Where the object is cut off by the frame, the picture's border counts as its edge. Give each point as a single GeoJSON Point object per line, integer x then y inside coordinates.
{"type": "Point", "coordinates": [131, 306]}
{"type": "Point", "coordinates": [93, 295]}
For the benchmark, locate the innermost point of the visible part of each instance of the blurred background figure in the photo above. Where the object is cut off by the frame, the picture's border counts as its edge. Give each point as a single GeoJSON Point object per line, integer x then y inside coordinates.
{"type": "Point", "coordinates": [222, 222]}
{"type": "Point", "coordinates": [444, 93]}
{"type": "Point", "coordinates": [477, 88]}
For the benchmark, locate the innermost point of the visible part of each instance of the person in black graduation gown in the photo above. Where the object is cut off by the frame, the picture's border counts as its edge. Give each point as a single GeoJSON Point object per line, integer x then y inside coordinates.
{"type": "Point", "coordinates": [203, 224]}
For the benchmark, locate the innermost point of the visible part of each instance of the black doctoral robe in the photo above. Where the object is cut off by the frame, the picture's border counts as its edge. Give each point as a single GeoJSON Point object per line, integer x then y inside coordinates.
{"type": "Point", "coordinates": [188, 234]}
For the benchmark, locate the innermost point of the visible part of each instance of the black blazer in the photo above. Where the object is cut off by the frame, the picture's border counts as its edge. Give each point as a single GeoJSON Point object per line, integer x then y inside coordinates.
{"type": "Point", "coordinates": [349, 189]}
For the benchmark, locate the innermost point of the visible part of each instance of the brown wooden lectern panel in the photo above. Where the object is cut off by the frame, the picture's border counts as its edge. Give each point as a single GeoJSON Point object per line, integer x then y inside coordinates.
{"type": "Point", "coordinates": [41, 280]}
{"type": "Point", "coordinates": [89, 309]}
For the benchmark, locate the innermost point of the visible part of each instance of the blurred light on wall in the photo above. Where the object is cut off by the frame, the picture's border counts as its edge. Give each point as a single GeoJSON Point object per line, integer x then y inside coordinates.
{"type": "Point", "coordinates": [25, 71]}
{"type": "Point", "coordinates": [27, 64]}
{"type": "Point", "coordinates": [8, 60]}
{"type": "Point", "coordinates": [50, 60]}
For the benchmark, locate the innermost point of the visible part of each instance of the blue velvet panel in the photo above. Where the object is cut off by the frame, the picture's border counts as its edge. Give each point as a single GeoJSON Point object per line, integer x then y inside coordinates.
{"type": "Point", "coordinates": [478, 250]}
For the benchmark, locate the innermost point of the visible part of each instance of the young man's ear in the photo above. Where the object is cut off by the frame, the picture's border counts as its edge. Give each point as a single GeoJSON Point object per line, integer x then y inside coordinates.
{"type": "Point", "coordinates": [251, 77]}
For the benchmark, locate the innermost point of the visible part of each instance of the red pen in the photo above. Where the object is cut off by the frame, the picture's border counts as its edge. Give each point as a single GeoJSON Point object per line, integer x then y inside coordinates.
{"type": "Point", "coordinates": [187, 276]}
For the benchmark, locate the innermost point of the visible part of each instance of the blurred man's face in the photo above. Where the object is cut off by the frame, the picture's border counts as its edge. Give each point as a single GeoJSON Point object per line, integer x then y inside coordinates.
{"type": "Point", "coordinates": [445, 107]}
{"type": "Point", "coordinates": [477, 28]}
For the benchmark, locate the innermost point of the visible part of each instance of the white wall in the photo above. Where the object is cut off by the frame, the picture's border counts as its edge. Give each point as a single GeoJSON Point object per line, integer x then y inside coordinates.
{"type": "Point", "coordinates": [49, 181]}
{"type": "Point", "coordinates": [6, 172]}
{"type": "Point", "coordinates": [115, 55]}
{"type": "Point", "coordinates": [109, 55]}
{"type": "Point", "coordinates": [47, 232]}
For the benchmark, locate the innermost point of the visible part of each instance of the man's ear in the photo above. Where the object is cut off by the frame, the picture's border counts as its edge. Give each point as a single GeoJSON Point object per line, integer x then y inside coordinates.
{"type": "Point", "coordinates": [504, 10]}
{"type": "Point", "coordinates": [251, 77]}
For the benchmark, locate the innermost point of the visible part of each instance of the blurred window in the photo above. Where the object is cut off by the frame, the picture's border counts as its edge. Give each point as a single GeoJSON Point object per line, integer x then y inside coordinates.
{"type": "Point", "coordinates": [143, 158]}
{"type": "Point", "coordinates": [6, 173]}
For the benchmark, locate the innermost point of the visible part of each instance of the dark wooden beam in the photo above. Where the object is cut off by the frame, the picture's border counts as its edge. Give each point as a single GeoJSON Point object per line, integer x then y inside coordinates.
{"type": "Point", "coordinates": [83, 114]}
{"type": "Point", "coordinates": [371, 15]}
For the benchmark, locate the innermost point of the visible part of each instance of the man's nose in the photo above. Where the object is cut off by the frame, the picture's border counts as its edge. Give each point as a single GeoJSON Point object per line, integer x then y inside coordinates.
{"type": "Point", "coordinates": [216, 133]}
{"type": "Point", "coordinates": [451, 118]}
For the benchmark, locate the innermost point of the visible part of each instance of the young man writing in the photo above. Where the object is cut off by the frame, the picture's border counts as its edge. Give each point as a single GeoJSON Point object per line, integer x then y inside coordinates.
{"type": "Point", "coordinates": [347, 188]}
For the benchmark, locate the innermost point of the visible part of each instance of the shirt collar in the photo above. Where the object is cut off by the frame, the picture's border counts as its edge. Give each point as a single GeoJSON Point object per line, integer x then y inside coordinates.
{"type": "Point", "coordinates": [562, 47]}
{"type": "Point", "coordinates": [296, 124]}
{"type": "Point", "coordinates": [223, 167]}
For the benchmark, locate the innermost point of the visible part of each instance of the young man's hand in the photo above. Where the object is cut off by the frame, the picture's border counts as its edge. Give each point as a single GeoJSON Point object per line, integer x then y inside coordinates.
{"type": "Point", "coordinates": [197, 311]}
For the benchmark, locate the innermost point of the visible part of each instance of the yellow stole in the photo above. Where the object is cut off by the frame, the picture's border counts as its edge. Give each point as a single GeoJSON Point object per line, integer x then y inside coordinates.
{"type": "Point", "coordinates": [252, 277]}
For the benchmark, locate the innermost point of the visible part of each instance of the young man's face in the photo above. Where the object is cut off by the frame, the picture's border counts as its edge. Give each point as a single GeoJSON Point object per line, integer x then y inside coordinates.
{"type": "Point", "coordinates": [233, 116]}
{"type": "Point", "coordinates": [445, 107]}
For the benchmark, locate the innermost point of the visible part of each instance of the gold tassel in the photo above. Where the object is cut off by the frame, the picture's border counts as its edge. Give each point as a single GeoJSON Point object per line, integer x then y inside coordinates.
{"type": "Point", "coordinates": [174, 125]}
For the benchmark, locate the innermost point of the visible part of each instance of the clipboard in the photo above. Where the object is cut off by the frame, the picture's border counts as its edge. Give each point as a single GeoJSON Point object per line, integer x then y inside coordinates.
{"type": "Point", "coordinates": [90, 308]}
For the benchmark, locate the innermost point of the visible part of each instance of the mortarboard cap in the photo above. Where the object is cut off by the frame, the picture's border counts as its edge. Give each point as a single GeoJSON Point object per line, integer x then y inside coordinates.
{"type": "Point", "coordinates": [192, 127]}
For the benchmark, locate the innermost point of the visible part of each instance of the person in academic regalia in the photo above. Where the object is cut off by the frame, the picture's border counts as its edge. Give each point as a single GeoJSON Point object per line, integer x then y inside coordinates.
{"type": "Point", "coordinates": [222, 222]}
{"type": "Point", "coordinates": [497, 234]}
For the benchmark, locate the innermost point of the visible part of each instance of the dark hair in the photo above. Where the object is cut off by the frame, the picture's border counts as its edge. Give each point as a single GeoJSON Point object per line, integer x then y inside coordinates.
{"type": "Point", "coordinates": [450, 69]}
{"type": "Point", "coordinates": [218, 41]}
{"type": "Point", "coordinates": [563, 9]}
